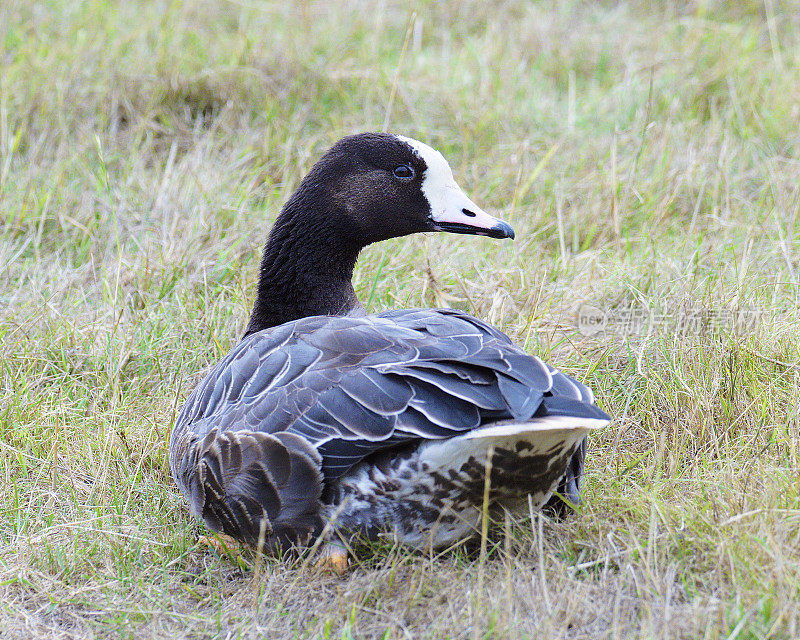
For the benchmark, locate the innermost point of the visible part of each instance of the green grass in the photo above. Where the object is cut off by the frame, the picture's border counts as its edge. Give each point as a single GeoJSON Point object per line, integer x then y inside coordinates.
{"type": "Point", "coordinates": [646, 154]}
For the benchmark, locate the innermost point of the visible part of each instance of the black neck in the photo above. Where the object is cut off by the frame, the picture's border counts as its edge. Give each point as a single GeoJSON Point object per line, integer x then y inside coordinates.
{"type": "Point", "coordinates": [307, 266]}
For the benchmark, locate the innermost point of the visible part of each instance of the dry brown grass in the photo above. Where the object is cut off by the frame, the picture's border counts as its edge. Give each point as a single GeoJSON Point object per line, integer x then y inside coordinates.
{"type": "Point", "coordinates": [646, 154]}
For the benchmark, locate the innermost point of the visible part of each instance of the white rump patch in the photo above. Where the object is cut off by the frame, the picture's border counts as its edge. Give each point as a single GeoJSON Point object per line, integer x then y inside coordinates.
{"type": "Point", "coordinates": [547, 423]}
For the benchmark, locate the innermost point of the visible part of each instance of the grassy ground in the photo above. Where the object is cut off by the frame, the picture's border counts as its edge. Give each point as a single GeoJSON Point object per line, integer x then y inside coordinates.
{"type": "Point", "coordinates": [646, 154]}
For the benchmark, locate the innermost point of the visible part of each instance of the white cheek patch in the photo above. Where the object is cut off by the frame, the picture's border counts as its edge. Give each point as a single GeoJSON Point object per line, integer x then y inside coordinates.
{"type": "Point", "coordinates": [449, 204]}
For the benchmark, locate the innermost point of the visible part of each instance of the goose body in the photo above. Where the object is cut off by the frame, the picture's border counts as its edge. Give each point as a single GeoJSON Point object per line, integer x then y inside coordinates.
{"type": "Point", "coordinates": [379, 424]}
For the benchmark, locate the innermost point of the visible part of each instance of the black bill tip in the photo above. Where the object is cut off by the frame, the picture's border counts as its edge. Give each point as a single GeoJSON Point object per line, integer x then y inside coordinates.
{"type": "Point", "coordinates": [501, 230]}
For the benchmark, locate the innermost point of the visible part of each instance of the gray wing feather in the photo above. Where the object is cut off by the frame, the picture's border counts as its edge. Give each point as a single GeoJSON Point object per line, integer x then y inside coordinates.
{"type": "Point", "coordinates": [353, 386]}
{"type": "Point", "coordinates": [377, 392]}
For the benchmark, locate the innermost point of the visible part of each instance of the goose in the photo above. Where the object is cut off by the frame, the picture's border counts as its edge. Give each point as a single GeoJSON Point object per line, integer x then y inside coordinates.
{"type": "Point", "coordinates": [325, 422]}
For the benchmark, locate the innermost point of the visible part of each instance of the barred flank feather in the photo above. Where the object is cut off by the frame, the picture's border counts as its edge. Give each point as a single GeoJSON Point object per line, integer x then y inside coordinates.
{"type": "Point", "coordinates": [245, 481]}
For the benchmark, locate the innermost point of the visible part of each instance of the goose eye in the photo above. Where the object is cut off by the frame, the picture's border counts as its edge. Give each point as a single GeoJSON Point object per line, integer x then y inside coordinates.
{"type": "Point", "coordinates": [403, 172]}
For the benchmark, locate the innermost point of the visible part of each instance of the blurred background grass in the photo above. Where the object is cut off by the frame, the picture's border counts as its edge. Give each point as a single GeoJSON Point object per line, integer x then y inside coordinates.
{"type": "Point", "coordinates": [646, 154]}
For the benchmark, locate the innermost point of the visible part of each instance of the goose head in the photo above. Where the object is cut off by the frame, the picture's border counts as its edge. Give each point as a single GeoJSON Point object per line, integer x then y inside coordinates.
{"type": "Point", "coordinates": [366, 188]}
{"type": "Point", "coordinates": [387, 186]}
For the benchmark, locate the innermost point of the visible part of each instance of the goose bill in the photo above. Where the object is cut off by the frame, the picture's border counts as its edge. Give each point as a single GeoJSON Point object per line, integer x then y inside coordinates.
{"type": "Point", "coordinates": [499, 230]}
{"type": "Point", "coordinates": [458, 214]}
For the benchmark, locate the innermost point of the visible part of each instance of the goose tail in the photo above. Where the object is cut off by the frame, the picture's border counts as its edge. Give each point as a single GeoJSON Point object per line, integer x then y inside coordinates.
{"type": "Point", "coordinates": [540, 457]}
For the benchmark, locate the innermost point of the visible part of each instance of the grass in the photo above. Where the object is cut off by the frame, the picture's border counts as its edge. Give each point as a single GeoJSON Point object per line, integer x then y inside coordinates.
{"type": "Point", "coordinates": [646, 154]}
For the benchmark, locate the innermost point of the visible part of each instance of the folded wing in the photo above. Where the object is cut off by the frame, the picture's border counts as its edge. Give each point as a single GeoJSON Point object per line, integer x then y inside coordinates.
{"type": "Point", "coordinates": [353, 386]}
